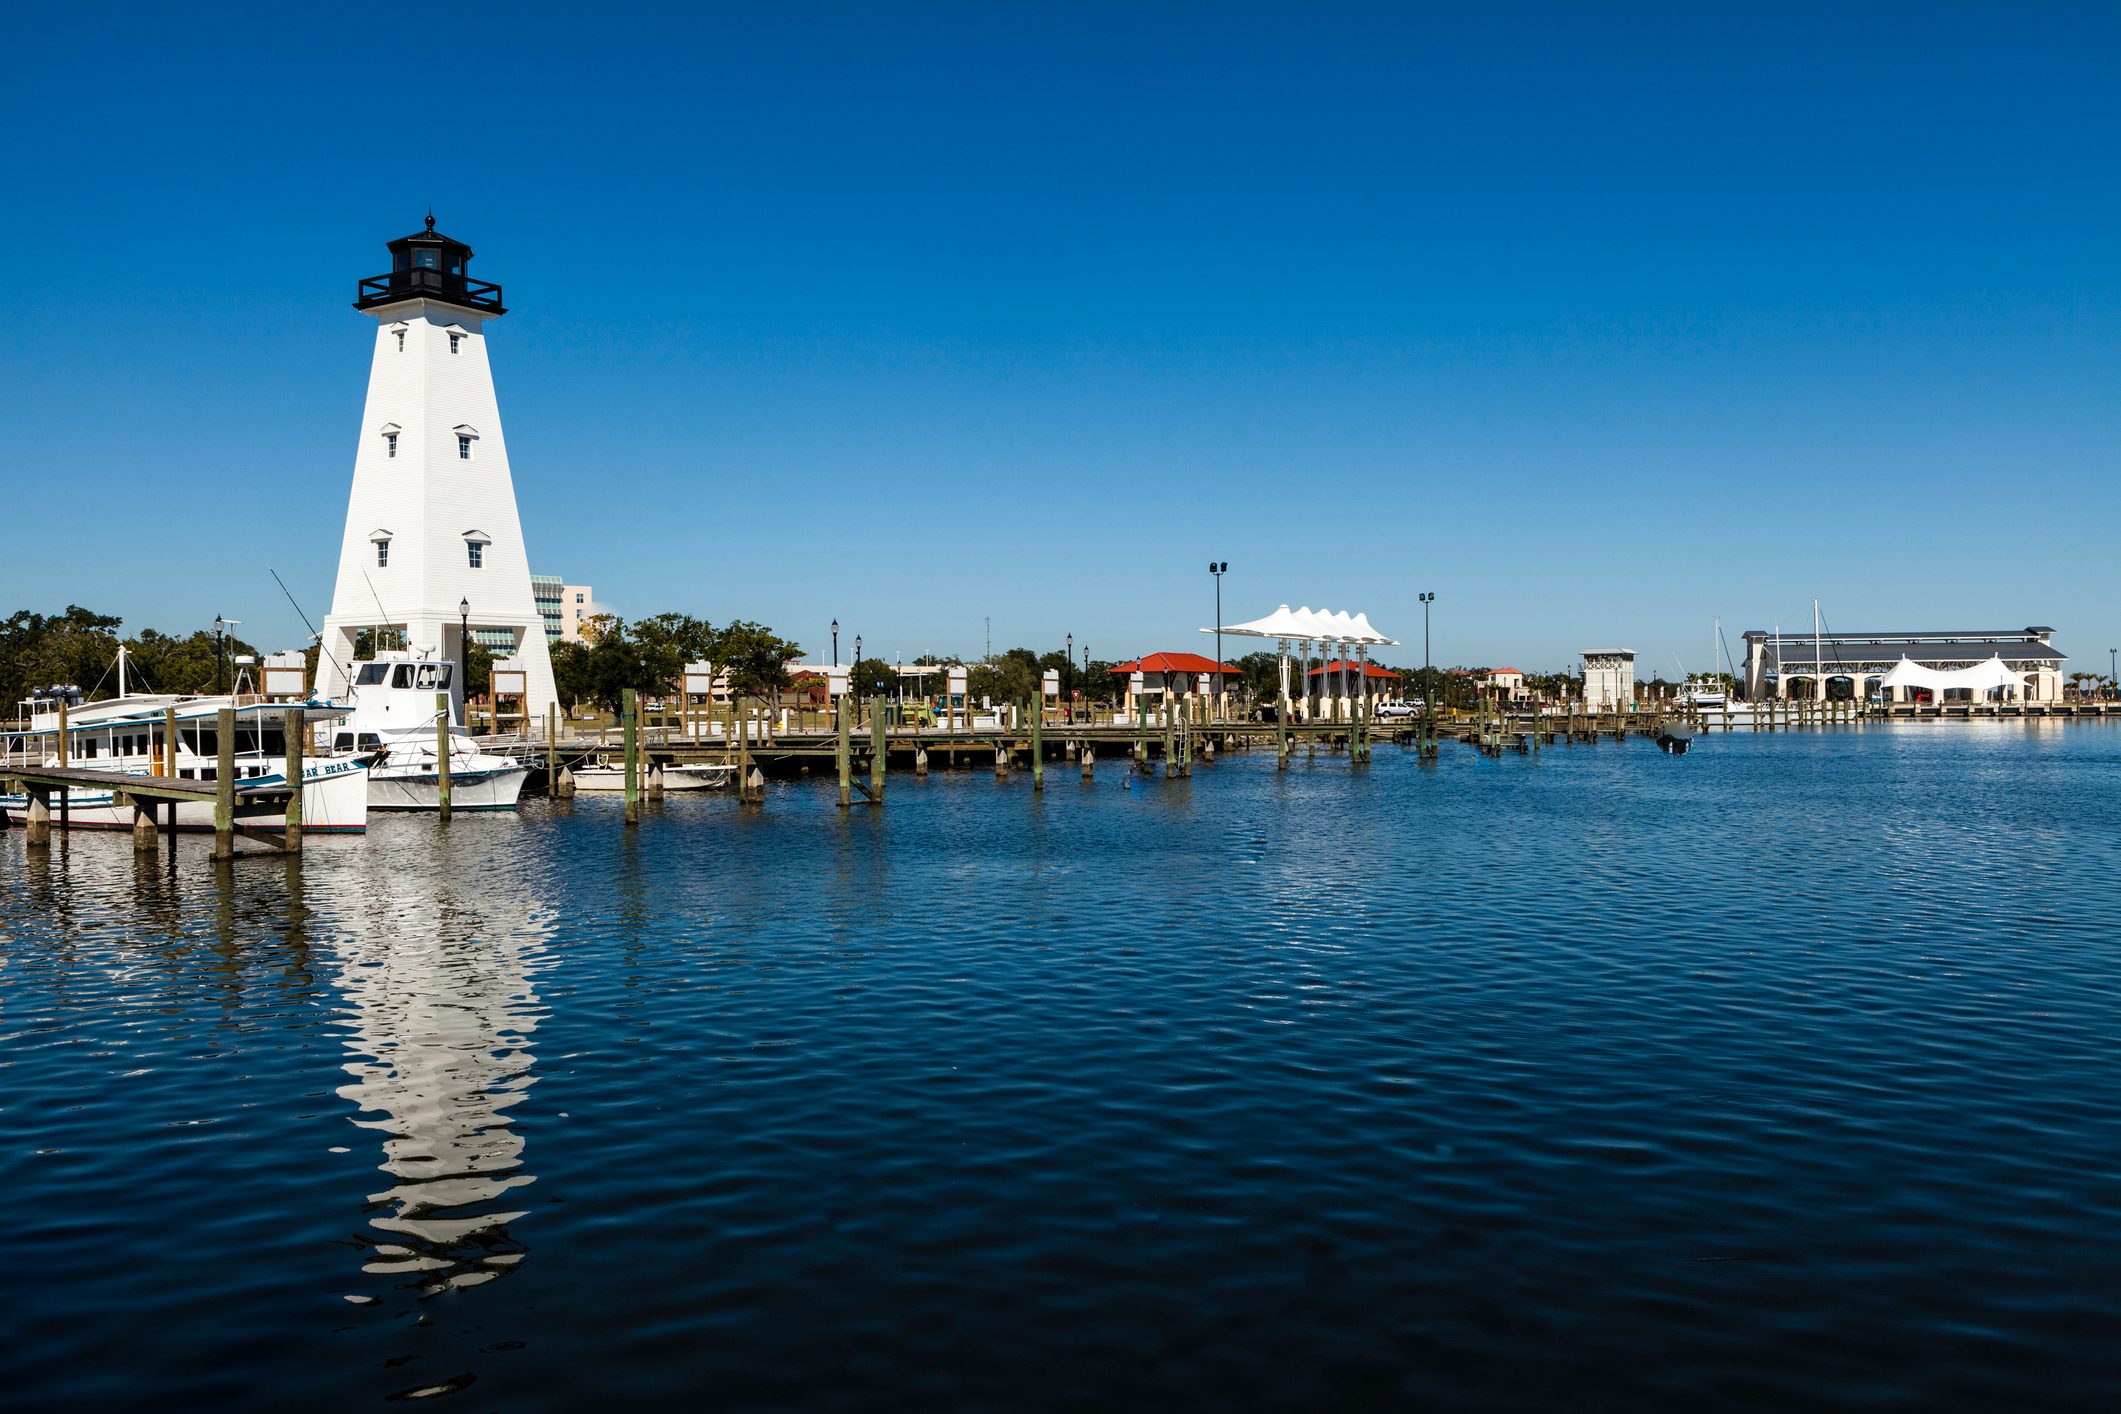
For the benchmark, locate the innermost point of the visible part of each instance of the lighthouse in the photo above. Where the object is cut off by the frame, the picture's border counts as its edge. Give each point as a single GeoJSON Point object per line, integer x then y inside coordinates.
{"type": "Point", "coordinates": [433, 545]}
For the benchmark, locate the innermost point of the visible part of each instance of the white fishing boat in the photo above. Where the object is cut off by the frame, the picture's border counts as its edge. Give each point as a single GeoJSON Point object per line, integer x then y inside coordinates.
{"type": "Point", "coordinates": [129, 735]}
{"type": "Point", "coordinates": [396, 723]}
{"type": "Point", "coordinates": [703, 775]}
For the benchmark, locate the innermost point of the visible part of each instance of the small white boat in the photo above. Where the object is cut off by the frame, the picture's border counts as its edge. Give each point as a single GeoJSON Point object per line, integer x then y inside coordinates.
{"type": "Point", "coordinates": [608, 776]}
{"type": "Point", "coordinates": [396, 721]}
{"type": "Point", "coordinates": [705, 775]}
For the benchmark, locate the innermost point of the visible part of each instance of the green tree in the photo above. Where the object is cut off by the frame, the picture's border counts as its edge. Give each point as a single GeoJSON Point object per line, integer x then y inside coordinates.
{"type": "Point", "coordinates": [572, 676]}
{"type": "Point", "coordinates": [754, 656]}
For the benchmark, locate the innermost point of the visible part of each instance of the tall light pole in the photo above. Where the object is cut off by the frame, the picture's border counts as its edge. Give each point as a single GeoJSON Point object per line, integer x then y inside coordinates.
{"type": "Point", "coordinates": [2110, 656]}
{"type": "Point", "coordinates": [835, 643]}
{"type": "Point", "coordinates": [1218, 570]}
{"type": "Point", "coordinates": [464, 658]}
{"type": "Point", "coordinates": [1068, 674]}
{"type": "Point", "coordinates": [1428, 674]}
{"type": "Point", "coordinates": [857, 651]}
{"type": "Point", "coordinates": [220, 629]}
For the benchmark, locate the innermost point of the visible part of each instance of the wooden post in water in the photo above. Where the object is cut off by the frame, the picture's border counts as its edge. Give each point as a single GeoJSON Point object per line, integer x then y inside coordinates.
{"type": "Point", "coordinates": [1089, 763]}
{"type": "Point", "coordinates": [630, 736]}
{"type": "Point", "coordinates": [1141, 729]}
{"type": "Point", "coordinates": [37, 820]}
{"type": "Point", "coordinates": [1038, 744]}
{"type": "Point", "coordinates": [295, 732]}
{"type": "Point", "coordinates": [225, 783]}
{"type": "Point", "coordinates": [879, 749]}
{"type": "Point", "coordinates": [843, 753]}
{"type": "Point", "coordinates": [442, 795]}
{"type": "Point", "coordinates": [143, 823]}
{"type": "Point", "coordinates": [1165, 713]}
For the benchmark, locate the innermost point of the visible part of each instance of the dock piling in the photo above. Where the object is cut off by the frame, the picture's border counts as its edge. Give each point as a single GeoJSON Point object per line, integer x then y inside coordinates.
{"type": "Point", "coordinates": [879, 749]}
{"type": "Point", "coordinates": [295, 739]}
{"type": "Point", "coordinates": [1038, 747]}
{"type": "Point", "coordinates": [843, 751]}
{"type": "Point", "coordinates": [629, 738]}
{"type": "Point", "coordinates": [225, 783]}
{"type": "Point", "coordinates": [442, 800]}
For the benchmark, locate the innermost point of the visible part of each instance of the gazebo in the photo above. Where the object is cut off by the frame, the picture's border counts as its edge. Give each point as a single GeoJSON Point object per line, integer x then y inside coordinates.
{"type": "Point", "coordinates": [1174, 675]}
{"type": "Point", "coordinates": [1337, 634]}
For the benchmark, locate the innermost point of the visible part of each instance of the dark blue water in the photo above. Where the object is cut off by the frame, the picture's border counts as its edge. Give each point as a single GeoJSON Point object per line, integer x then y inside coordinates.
{"type": "Point", "coordinates": [1780, 1074]}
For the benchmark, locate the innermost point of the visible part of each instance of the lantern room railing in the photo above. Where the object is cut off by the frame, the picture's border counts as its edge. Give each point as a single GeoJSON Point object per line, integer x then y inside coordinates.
{"type": "Point", "coordinates": [436, 284]}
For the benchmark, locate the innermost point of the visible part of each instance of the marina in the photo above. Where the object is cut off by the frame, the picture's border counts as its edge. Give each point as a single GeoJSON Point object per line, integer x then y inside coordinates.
{"type": "Point", "coordinates": [979, 709]}
{"type": "Point", "coordinates": [521, 1106]}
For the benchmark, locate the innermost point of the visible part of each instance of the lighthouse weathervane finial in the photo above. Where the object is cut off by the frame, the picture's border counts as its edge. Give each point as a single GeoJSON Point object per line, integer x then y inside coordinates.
{"type": "Point", "coordinates": [430, 216]}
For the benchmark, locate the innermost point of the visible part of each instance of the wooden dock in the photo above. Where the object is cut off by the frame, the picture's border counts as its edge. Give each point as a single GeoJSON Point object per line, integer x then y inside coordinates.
{"type": "Point", "coordinates": [238, 805]}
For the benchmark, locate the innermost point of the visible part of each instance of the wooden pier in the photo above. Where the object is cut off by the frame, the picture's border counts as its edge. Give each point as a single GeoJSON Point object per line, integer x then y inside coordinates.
{"type": "Point", "coordinates": [238, 807]}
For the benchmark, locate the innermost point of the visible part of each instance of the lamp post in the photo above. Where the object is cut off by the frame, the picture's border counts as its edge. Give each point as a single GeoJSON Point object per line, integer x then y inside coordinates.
{"type": "Point", "coordinates": [464, 658]}
{"type": "Point", "coordinates": [1428, 674]}
{"type": "Point", "coordinates": [1068, 676]}
{"type": "Point", "coordinates": [835, 643]}
{"type": "Point", "coordinates": [1218, 570]}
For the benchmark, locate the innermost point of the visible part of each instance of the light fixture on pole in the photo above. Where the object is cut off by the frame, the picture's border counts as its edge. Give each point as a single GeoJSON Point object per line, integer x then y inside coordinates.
{"type": "Point", "coordinates": [835, 643]}
{"type": "Point", "coordinates": [1068, 673]}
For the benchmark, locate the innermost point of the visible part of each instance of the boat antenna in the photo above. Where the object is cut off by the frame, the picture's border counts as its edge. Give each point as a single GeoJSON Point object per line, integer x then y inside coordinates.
{"type": "Point", "coordinates": [305, 622]}
{"type": "Point", "coordinates": [382, 614]}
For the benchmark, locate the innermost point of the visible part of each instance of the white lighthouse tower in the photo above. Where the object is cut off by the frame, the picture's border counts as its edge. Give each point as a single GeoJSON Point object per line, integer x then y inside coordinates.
{"type": "Point", "coordinates": [433, 542]}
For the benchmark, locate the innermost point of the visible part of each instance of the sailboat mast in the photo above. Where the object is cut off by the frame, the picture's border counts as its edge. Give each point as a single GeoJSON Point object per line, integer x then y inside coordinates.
{"type": "Point", "coordinates": [1818, 658]}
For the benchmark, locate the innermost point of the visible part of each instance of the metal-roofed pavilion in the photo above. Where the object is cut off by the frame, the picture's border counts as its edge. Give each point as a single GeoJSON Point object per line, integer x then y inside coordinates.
{"type": "Point", "coordinates": [1857, 662]}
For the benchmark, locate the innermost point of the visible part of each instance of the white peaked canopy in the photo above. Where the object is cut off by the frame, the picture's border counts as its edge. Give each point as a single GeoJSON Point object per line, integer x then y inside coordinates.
{"type": "Point", "coordinates": [1981, 677]}
{"type": "Point", "coordinates": [1341, 627]}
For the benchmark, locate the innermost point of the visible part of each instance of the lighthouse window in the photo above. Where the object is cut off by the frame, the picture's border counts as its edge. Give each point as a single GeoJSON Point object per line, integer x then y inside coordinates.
{"type": "Point", "coordinates": [453, 342]}
{"type": "Point", "coordinates": [426, 259]}
{"type": "Point", "coordinates": [390, 444]}
{"type": "Point", "coordinates": [477, 552]}
{"type": "Point", "coordinates": [382, 554]}
{"type": "Point", "coordinates": [463, 449]}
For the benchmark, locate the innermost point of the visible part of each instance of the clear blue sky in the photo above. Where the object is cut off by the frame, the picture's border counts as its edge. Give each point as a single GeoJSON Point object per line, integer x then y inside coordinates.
{"type": "Point", "coordinates": [1596, 320]}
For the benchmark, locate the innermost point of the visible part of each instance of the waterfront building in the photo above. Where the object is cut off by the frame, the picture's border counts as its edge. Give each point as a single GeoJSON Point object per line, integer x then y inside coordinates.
{"type": "Point", "coordinates": [1608, 678]}
{"type": "Point", "coordinates": [563, 607]}
{"type": "Point", "coordinates": [432, 537]}
{"type": "Point", "coordinates": [1508, 683]}
{"type": "Point", "coordinates": [1819, 666]}
{"type": "Point", "coordinates": [1347, 680]}
{"type": "Point", "coordinates": [1182, 676]}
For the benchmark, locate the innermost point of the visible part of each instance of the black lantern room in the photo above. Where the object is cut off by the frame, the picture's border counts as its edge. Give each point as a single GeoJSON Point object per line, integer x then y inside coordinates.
{"type": "Point", "coordinates": [429, 265]}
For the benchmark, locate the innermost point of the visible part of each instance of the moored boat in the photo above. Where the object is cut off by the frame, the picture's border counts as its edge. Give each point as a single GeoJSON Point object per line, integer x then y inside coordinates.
{"type": "Point", "coordinates": [397, 722]}
{"type": "Point", "coordinates": [129, 735]}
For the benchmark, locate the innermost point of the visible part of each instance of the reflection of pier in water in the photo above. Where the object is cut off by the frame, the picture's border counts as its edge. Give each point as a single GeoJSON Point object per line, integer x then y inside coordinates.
{"type": "Point", "coordinates": [442, 1010]}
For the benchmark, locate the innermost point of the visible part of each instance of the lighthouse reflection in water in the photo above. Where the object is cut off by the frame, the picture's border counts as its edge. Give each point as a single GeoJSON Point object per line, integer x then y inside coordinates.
{"type": "Point", "coordinates": [440, 996]}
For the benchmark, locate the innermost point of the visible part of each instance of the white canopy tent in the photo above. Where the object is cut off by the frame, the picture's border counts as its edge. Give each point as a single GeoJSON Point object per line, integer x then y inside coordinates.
{"type": "Point", "coordinates": [1981, 679]}
{"type": "Point", "coordinates": [1325, 628]}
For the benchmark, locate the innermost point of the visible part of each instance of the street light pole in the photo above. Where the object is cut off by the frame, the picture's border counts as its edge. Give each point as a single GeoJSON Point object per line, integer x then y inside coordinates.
{"type": "Point", "coordinates": [835, 643]}
{"type": "Point", "coordinates": [1218, 570]}
{"type": "Point", "coordinates": [1428, 673]}
{"type": "Point", "coordinates": [464, 658]}
{"type": "Point", "coordinates": [1068, 674]}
